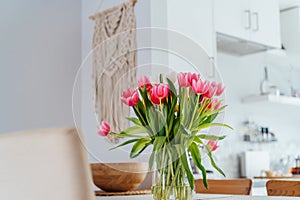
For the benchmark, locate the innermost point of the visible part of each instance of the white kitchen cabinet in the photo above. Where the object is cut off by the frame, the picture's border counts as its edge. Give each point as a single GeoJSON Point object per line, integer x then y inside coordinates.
{"type": "Point", "coordinates": [193, 18]}
{"type": "Point", "coordinates": [233, 17]}
{"type": "Point", "coordinates": [256, 21]}
{"type": "Point", "coordinates": [191, 30]}
{"type": "Point", "coordinates": [266, 22]}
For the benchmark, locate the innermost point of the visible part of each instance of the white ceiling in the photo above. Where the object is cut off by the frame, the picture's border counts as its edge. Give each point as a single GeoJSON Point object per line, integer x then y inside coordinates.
{"type": "Point", "coordinates": [284, 4]}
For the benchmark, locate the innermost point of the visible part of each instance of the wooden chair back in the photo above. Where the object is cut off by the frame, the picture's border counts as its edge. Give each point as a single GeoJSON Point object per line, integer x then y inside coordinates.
{"type": "Point", "coordinates": [226, 186]}
{"type": "Point", "coordinates": [283, 188]}
{"type": "Point", "coordinates": [44, 164]}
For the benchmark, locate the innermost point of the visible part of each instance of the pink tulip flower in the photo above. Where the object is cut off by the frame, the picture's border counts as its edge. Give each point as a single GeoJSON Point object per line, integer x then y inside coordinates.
{"type": "Point", "coordinates": [212, 103]}
{"type": "Point", "coordinates": [160, 91]}
{"type": "Point", "coordinates": [182, 79]}
{"type": "Point", "coordinates": [191, 77]}
{"type": "Point", "coordinates": [130, 97]}
{"type": "Point", "coordinates": [104, 129]}
{"type": "Point", "coordinates": [215, 104]}
{"type": "Point", "coordinates": [200, 87]}
{"type": "Point", "coordinates": [212, 145]}
{"type": "Point", "coordinates": [154, 99]}
{"type": "Point", "coordinates": [219, 87]}
{"type": "Point", "coordinates": [144, 81]}
{"type": "Point", "coordinates": [210, 92]}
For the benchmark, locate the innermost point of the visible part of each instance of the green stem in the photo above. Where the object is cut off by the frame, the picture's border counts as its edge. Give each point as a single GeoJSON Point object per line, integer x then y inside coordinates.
{"type": "Point", "coordinates": [168, 173]}
{"type": "Point", "coordinates": [182, 104]}
{"type": "Point", "coordinates": [170, 167]}
{"type": "Point", "coordinates": [207, 101]}
{"type": "Point", "coordinates": [162, 113]}
{"type": "Point", "coordinates": [117, 135]}
{"type": "Point", "coordinates": [191, 122]}
{"type": "Point", "coordinates": [161, 170]}
{"type": "Point", "coordinates": [141, 116]}
{"type": "Point", "coordinates": [145, 123]}
{"type": "Point", "coordinates": [176, 174]}
{"type": "Point", "coordinates": [203, 107]}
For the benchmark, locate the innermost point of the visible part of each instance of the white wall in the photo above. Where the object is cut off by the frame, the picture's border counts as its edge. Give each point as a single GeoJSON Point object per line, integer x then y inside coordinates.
{"type": "Point", "coordinates": [242, 76]}
{"type": "Point", "coordinates": [39, 56]}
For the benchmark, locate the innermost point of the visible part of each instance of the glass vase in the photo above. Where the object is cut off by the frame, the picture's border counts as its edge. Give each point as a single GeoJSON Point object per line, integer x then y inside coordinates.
{"type": "Point", "coordinates": [172, 192]}
{"type": "Point", "coordinates": [170, 180]}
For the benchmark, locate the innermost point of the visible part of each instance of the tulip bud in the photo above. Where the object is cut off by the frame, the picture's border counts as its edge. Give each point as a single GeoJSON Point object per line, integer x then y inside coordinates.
{"type": "Point", "coordinates": [104, 129]}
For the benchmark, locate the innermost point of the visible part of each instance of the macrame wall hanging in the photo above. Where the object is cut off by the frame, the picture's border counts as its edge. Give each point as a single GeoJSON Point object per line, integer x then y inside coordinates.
{"type": "Point", "coordinates": [114, 63]}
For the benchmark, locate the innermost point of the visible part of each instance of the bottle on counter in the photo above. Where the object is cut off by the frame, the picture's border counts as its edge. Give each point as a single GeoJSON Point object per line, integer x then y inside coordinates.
{"type": "Point", "coordinates": [265, 85]}
{"type": "Point", "coordinates": [298, 161]}
{"type": "Point", "coordinates": [265, 134]}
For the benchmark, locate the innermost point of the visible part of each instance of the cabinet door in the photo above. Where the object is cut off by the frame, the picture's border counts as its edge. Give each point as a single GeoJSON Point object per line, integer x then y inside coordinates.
{"type": "Point", "coordinates": [265, 22]}
{"type": "Point", "coordinates": [233, 17]}
{"type": "Point", "coordinates": [193, 18]}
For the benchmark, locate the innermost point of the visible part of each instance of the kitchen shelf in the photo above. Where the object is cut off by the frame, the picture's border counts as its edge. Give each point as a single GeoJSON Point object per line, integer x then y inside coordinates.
{"type": "Point", "coordinates": [262, 142]}
{"type": "Point", "coordinates": [273, 99]}
{"type": "Point", "coordinates": [277, 177]}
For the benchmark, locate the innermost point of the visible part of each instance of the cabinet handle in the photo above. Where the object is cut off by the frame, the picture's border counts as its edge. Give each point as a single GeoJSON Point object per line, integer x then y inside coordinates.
{"type": "Point", "coordinates": [248, 13]}
{"type": "Point", "coordinates": [255, 14]}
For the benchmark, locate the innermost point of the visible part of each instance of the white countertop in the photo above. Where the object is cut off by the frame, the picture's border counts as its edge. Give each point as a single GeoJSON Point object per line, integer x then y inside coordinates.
{"type": "Point", "coordinates": [200, 197]}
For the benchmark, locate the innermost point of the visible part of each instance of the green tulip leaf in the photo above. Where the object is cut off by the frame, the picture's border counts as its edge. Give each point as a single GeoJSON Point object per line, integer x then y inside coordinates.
{"type": "Point", "coordinates": [172, 88]}
{"type": "Point", "coordinates": [186, 166]}
{"type": "Point", "coordinates": [203, 126]}
{"type": "Point", "coordinates": [151, 159]}
{"type": "Point", "coordinates": [139, 147]}
{"type": "Point", "coordinates": [197, 140]}
{"type": "Point", "coordinates": [196, 156]}
{"type": "Point", "coordinates": [159, 142]}
{"type": "Point", "coordinates": [125, 135]}
{"type": "Point", "coordinates": [161, 79]}
{"type": "Point", "coordinates": [135, 120]}
{"type": "Point", "coordinates": [210, 137]}
{"type": "Point", "coordinates": [134, 130]}
{"type": "Point", "coordinates": [213, 162]}
{"type": "Point", "coordinates": [125, 143]}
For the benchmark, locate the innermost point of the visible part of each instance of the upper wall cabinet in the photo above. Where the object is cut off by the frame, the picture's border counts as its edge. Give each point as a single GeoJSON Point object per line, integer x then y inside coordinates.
{"type": "Point", "coordinates": [194, 19]}
{"type": "Point", "coordinates": [191, 37]}
{"type": "Point", "coordinates": [257, 21]}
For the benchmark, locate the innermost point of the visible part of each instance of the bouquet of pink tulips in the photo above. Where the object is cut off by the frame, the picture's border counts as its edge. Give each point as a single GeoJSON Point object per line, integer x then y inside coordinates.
{"type": "Point", "coordinates": [172, 120]}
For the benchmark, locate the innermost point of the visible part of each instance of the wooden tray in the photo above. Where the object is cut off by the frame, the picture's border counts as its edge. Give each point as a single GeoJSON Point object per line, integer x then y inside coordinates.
{"type": "Point", "coordinates": [134, 192]}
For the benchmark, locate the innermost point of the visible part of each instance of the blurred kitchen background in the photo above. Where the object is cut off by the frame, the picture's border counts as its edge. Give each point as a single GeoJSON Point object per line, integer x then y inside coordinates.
{"type": "Point", "coordinates": [255, 45]}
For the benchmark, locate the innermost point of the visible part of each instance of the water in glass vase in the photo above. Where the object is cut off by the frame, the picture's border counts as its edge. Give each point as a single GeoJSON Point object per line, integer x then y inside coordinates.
{"type": "Point", "coordinates": [170, 179]}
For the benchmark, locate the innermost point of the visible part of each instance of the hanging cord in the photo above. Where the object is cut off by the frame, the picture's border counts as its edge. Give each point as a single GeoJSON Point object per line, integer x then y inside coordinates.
{"type": "Point", "coordinates": [100, 5]}
{"type": "Point", "coordinates": [92, 17]}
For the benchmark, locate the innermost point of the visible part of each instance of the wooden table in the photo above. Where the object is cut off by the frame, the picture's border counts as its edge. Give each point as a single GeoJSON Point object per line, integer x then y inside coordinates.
{"type": "Point", "coordinates": [201, 197]}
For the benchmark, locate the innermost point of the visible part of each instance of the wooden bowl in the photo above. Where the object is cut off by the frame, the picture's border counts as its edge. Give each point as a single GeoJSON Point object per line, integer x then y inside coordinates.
{"type": "Point", "coordinates": [118, 177]}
